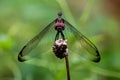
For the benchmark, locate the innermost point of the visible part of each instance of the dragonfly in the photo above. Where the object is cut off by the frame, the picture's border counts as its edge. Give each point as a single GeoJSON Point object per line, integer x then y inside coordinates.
{"type": "Point", "coordinates": [58, 31]}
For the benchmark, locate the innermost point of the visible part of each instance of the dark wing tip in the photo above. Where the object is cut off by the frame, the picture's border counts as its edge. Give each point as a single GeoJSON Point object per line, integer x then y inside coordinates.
{"type": "Point", "coordinates": [20, 55]}
{"type": "Point", "coordinates": [20, 58]}
{"type": "Point", "coordinates": [97, 59]}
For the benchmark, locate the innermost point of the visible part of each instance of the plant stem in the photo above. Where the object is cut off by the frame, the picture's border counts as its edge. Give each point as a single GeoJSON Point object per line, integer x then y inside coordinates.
{"type": "Point", "coordinates": [67, 67]}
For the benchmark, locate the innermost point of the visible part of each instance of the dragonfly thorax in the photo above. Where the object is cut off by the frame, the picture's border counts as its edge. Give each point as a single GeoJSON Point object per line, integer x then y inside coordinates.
{"type": "Point", "coordinates": [59, 24]}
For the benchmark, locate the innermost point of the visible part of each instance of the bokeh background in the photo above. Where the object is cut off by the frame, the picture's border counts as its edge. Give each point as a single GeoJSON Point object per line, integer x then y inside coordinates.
{"type": "Point", "coordinates": [20, 20]}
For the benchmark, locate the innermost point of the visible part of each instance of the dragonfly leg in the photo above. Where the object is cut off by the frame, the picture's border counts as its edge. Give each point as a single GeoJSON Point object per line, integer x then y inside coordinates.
{"type": "Point", "coordinates": [57, 36]}
{"type": "Point", "coordinates": [63, 37]}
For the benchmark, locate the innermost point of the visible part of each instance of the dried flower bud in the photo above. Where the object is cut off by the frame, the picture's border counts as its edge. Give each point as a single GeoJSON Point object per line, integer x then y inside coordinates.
{"type": "Point", "coordinates": [60, 48]}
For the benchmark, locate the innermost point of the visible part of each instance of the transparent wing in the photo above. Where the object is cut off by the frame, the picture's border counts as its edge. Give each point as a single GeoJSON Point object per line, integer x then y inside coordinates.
{"type": "Point", "coordinates": [34, 42]}
{"type": "Point", "coordinates": [84, 45]}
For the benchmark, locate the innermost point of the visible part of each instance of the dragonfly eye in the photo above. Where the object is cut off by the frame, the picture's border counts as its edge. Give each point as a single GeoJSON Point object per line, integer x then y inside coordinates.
{"type": "Point", "coordinates": [60, 14]}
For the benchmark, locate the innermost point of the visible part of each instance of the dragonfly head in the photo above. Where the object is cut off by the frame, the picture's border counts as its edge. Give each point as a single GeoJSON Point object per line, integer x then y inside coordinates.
{"type": "Point", "coordinates": [59, 14]}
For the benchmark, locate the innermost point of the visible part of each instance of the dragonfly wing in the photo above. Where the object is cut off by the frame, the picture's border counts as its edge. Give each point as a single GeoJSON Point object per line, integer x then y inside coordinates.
{"type": "Point", "coordinates": [85, 43]}
{"type": "Point", "coordinates": [33, 43]}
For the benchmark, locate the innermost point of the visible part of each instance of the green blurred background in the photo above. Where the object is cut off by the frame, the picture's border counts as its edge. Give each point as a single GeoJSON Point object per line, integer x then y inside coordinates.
{"type": "Point", "coordinates": [20, 20]}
